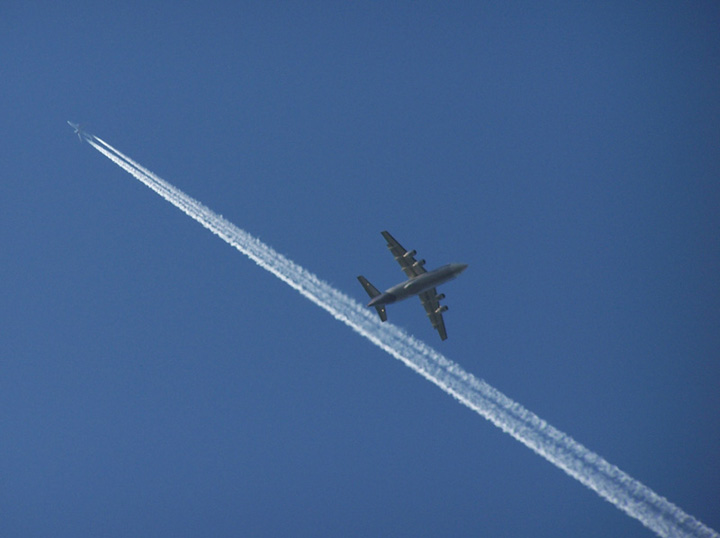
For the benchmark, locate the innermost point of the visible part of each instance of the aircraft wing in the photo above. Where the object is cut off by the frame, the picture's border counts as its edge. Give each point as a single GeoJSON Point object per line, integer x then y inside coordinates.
{"type": "Point", "coordinates": [410, 266]}
{"type": "Point", "coordinates": [434, 311]}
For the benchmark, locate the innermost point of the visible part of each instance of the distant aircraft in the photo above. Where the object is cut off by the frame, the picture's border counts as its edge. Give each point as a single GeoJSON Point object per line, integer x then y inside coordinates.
{"type": "Point", "coordinates": [420, 282]}
{"type": "Point", "coordinates": [78, 129]}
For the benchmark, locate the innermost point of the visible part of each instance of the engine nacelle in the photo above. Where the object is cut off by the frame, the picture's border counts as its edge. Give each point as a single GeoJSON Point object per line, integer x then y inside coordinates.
{"type": "Point", "coordinates": [410, 254]}
{"type": "Point", "coordinates": [440, 297]}
{"type": "Point", "coordinates": [441, 309]}
{"type": "Point", "coordinates": [419, 263]}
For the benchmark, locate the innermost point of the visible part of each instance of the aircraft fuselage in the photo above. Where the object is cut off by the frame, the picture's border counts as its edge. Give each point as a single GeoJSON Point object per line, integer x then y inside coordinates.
{"type": "Point", "coordinates": [419, 284]}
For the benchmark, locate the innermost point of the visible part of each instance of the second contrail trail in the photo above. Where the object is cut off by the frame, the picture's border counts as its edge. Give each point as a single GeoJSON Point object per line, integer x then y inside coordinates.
{"type": "Point", "coordinates": [626, 493]}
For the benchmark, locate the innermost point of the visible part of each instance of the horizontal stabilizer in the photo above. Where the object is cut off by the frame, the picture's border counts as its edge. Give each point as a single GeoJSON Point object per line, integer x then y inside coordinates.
{"type": "Point", "coordinates": [372, 291]}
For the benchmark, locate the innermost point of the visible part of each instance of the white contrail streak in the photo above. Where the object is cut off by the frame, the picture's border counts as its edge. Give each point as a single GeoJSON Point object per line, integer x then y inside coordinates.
{"type": "Point", "coordinates": [626, 493]}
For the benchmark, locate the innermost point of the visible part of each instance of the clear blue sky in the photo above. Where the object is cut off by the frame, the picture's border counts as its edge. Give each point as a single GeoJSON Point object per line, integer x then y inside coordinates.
{"type": "Point", "coordinates": [154, 382]}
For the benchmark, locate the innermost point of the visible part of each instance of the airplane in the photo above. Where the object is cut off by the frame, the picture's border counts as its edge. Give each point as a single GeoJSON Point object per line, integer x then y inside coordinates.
{"type": "Point", "coordinates": [78, 129]}
{"type": "Point", "coordinates": [420, 282]}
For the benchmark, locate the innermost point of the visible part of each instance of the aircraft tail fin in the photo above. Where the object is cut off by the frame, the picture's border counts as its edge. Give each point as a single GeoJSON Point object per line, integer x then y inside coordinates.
{"type": "Point", "coordinates": [372, 291]}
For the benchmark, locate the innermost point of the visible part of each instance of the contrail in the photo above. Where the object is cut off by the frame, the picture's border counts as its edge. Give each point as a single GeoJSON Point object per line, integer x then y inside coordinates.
{"type": "Point", "coordinates": [612, 484]}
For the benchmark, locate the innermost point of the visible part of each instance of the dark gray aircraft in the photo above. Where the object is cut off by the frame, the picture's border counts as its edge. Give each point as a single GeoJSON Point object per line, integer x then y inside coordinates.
{"type": "Point", "coordinates": [420, 282]}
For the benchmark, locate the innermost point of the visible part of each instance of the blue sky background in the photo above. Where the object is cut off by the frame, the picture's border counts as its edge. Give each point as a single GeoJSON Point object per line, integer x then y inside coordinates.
{"type": "Point", "coordinates": [154, 382]}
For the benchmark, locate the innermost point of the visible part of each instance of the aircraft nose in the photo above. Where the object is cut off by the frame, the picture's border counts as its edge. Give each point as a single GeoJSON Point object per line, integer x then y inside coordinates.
{"type": "Point", "coordinates": [462, 267]}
